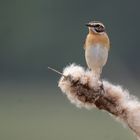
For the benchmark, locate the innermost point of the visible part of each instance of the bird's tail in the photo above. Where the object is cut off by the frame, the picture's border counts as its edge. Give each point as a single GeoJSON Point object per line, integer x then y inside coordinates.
{"type": "Point", "coordinates": [97, 74]}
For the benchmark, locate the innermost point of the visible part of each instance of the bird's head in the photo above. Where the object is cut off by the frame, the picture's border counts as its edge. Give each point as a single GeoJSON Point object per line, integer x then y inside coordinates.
{"type": "Point", "coordinates": [96, 27]}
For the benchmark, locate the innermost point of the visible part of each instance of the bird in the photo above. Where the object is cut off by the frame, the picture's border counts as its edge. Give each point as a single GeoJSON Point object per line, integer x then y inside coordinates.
{"type": "Point", "coordinates": [97, 46]}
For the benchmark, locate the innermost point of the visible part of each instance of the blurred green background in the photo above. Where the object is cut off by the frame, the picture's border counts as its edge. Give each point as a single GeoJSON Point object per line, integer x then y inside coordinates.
{"type": "Point", "coordinates": [35, 34]}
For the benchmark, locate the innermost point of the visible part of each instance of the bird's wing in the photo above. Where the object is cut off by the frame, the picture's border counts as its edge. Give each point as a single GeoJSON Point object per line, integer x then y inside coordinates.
{"type": "Point", "coordinates": [84, 44]}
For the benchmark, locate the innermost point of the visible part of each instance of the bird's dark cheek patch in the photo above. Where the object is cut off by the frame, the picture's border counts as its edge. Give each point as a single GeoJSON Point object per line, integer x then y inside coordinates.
{"type": "Point", "coordinates": [99, 29]}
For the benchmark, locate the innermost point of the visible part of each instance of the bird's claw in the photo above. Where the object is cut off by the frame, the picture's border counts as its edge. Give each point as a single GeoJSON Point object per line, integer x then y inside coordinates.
{"type": "Point", "coordinates": [102, 87]}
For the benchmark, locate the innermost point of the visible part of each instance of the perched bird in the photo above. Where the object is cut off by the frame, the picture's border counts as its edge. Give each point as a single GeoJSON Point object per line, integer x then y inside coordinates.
{"type": "Point", "coordinates": [96, 47]}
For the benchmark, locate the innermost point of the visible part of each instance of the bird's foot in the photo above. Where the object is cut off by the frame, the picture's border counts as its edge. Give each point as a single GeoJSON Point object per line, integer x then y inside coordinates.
{"type": "Point", "coordinates": [102, 87]}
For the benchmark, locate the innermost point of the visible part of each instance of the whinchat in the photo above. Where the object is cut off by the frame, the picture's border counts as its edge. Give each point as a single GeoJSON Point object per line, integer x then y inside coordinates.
{"type": "Point", "coordinates": [96, 47]}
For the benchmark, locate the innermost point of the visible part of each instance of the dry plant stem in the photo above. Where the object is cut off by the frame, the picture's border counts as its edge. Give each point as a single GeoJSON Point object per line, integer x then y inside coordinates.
{"type": "Point", "coordinates": [83, 90]}
{"type": "Point", "coordinates": [96, 96]}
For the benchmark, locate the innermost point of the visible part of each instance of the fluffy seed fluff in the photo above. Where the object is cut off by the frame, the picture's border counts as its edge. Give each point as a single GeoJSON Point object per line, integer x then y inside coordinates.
{"type": "Point", "coordinates": [83, 90]}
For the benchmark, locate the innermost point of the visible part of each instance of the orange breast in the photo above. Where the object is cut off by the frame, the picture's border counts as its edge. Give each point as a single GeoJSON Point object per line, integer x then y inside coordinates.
{"type": "Point", "coordinates": [93, 38]}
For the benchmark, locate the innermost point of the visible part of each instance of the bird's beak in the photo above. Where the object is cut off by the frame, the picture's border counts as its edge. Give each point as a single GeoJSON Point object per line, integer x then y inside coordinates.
{"type": "Point", "coordinates": [89, 25]}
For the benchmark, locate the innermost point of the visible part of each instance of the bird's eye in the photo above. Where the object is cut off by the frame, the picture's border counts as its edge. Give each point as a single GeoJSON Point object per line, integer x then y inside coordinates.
{"type": "Point", "coordinates": [99, 28]}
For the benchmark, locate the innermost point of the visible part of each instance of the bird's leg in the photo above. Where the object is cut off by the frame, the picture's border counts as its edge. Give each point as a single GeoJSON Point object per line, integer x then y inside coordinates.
{"type": "Point", "coordinates": [101, 91]}
{"type": "Point", "coordinates": [102, 86]}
